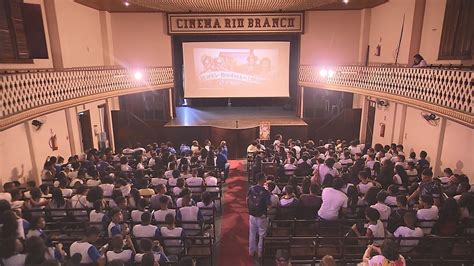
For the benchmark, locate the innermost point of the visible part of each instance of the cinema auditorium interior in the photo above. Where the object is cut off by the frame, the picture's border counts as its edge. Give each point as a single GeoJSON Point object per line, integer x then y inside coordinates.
{"type": "Point", "coordinates": [236, 132]}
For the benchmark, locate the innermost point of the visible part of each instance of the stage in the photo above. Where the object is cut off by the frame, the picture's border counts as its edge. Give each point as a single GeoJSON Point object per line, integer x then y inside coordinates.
{"type": "Point", "coordinates": [226, 117]}
{"type": "Point", "coordinates": [218, 123]}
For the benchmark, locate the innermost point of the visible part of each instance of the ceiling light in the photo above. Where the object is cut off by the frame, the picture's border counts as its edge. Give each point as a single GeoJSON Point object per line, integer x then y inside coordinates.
{"type": "Point", "coordinates": [345, 1]}
{"type": "Point", "coordinates": [126, 3]}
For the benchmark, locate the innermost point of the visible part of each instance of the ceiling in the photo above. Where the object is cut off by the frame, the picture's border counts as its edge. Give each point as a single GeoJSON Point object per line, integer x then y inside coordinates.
{"type": "Point", "coordinates": [222, 6]}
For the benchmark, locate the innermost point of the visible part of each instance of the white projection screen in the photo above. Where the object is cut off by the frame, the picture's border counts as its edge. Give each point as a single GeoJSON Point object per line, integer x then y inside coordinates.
{"type": "Point", "coordinates": [236, 69]}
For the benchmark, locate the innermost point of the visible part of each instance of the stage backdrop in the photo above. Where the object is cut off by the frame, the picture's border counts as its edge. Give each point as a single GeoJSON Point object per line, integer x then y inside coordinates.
{"type": "Point", "coordinates": [236, 69]}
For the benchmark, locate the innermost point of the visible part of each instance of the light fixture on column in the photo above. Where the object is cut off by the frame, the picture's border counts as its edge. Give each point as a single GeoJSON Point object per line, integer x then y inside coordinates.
{"type": "Point", "coordinates": [345, 1]}
{"type": "Point", "coordinates": [138, 75]}
{"type": "Point", "coordinates": [126, 3]}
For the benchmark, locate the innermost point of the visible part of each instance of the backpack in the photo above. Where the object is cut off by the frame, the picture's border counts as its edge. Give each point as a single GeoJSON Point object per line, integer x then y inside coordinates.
{"type": "Point", "coordinates": [255, 202]}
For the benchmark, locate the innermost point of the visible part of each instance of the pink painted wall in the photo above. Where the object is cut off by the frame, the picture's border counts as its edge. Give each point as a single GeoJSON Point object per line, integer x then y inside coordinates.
{"type": "Point", "coordinates": [457, 149]}
{"type": "Point", "coordinates": [385, 27]}
{"type": "Point", "coordinates": [80, 34]}
{"type": "Point", "coordinates": [330, 38]}
{"type": "Point", "coordinates": [141, 39]}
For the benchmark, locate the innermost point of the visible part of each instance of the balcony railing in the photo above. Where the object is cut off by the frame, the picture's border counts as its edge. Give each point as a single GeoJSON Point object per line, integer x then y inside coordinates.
{"type": "Point", "coordinates": [27, 95]}
{"type": "Point", "coordinates": [446, 92]}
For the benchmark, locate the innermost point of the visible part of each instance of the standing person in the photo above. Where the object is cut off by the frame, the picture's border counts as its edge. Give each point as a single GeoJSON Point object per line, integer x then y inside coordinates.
{"type": "Point", "coordinates": [258, 202]}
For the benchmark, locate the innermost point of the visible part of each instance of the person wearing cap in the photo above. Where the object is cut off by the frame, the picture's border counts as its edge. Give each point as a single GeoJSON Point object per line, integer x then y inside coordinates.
{"type": "Point", "coordinates": [282, 258]}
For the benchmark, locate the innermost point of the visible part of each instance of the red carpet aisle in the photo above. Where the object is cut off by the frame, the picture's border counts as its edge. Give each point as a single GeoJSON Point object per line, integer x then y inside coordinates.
{"type": "Point", "coordinates": [235, 219]}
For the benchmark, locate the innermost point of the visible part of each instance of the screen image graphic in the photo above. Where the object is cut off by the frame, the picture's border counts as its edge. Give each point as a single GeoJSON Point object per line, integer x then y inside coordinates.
{"type": "Point", "coordinates": [236, 69]}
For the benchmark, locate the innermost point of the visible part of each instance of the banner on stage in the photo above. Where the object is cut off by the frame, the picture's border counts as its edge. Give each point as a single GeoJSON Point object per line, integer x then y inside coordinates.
{"type": "Point", "coordinates": [264, 130]}
{"type": "Point", "coordinates": [235, 23]}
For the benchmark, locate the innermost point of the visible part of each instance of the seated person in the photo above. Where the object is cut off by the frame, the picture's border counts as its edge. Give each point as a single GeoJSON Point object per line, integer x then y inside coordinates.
{"type": "Point", "coordinates": [179, 186]}
{"type": "Point", "coordinates": [172, 246]}
{"type": "Point", "coordinates": [427, 213]}
{"type": "Point", "coordinates": [312, 199]}
{"type": "Point", "coordinates": [89, 253]}
{"type": "Point", "coordinates": [117, 252]}
{"type": "Point", "coordinates": [148, 246]}
{"type": "Point", "coordinates": [159, 215]}
{"type": "Point", "coordinates": [136, 215]}
{"type": "Point", "coordinates": [289, 198]}
{"type": "Point", "coordinates": [207, 203]}
{"type": "Point", "coordinates": [381, 207]}
{"type": "Point", "coordinates": [409, 230]}
{"type": "Point", "coordinates": [97, 215]}
{"type": "Point", "coordinates": [334, 200]}
{"type": "Point", "coordinates": [365, 183]}
{"type": "Point", "coordinates": [388, 254]}
{"type": "Point", "coordinates": [391, 199]}
{"type": "Point", "coordinates": [37, 226]}
{"type": "Point", "coordinates": [375, 227]}
{"type": "Point", "coordinates": [396, 218]}
{"type": "Point", "coordinates": [189, 213]}
{"type": "Point", "coordinates": [11, 252]}
{"type": "Point", "coordinates": [155, 199]}
{"type": "Point", "coordinates": [115, 227]}
{"type": "Point", "coordinates": [194, 182]}
{"type": "Point", "coordinates": [145, 229]}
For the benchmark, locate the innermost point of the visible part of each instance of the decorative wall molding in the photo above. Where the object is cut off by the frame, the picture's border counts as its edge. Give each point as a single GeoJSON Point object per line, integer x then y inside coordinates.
{"type": "Point", "coordinates": [24, 96]}
{"type": "Point", "coordinates": [448, 93]}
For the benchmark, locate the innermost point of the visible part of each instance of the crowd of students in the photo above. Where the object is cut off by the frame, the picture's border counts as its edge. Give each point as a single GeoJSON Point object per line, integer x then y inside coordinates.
{"type": "Point", "coordinates": [396, 192]}
{"type": "Point", "coordinates": [146, 193]}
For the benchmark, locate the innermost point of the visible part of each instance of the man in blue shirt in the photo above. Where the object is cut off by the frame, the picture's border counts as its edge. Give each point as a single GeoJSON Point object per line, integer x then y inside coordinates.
{"type": "Point", "coordinates": [258, 202]}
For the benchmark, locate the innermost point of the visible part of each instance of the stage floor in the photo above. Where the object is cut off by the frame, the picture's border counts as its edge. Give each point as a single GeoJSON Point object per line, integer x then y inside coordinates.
{"type": "Point", "coordinates": [225, 117]}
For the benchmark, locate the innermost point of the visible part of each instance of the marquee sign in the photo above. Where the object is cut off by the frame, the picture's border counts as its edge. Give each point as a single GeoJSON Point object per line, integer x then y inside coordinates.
{"type": "Point", "coordinates": [235, 23]}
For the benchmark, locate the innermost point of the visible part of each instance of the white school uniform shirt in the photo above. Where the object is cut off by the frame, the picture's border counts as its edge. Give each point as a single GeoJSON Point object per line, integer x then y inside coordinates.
{"type": "Point", "coordinates": [397, 179]}
{"type": "Point", "coordinates": [172, 181]}
{"type": "Point", "coordinates": [380, 260]}
{"type": "Point", "coordinates": [157, 181]}
{"type": "Point", "coordinates": [136, 215]}
{"type": "Point", "coordinates": [139, 256]}
{"type": "Point", "coordinates": [211, 181]}
{"type": "Point", "coordinates": [67, 192]}
{"type": "Point", "coordinates": [391, 201]}
{"type": "Point", "coordinates": [354, 150]}
{"type": "Point", "coordinates": [189, 214]}
{"type": "Point", "coordinates": [15, 260]}
{"type": "Point", "coordinates": [324, 170]}
{"type": "Point", "coordinates": [81, 248]}
{"type": "Point", "coordinates": [363, 188]}
{"type": "Point", "coordinates": [274, 200]}
{"type": "Point", "coordinates": [125, 168]}
{"type": "Point", "coordinates": [108, 189]}
{"type": "Point", "coordinates": [169, 174]}
{"type": "Point", "coordinates": [177, 190]}
{"type": "Point", "coordinates": [333, 200]}
{"type": "Point", "coordinates": [92, 183]}
{"type": "Point", "coordinates": [160, 215]}
{"type": "Point", "coordinates": [383, 209]}
{"type": "Point", "coordinates": [205, 213]}
{"type": "Point", "coordinates": [427, 214]}
{"type": "Point", "coordinates": [378, 230]}
{"type": "Point", "coordinates": [370, 164]}
{"type": "Point", "coordinates": [195, 181]}
{"type": "Point", "coordinates": [125, 256]}
{"type": "Point", "coordinates": [144, 230]}
{"type": "Point", "coordinates": [403, 231]}
{"type": "Point", "coordinates": [175, 232]}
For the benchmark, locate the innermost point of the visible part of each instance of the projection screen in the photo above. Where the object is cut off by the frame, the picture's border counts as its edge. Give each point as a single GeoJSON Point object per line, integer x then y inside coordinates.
{"type": "Point", "coordinates": [236, 69]}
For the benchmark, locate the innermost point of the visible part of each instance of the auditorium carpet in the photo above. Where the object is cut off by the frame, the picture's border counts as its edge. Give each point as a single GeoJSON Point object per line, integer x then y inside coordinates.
{"type": "Point", "coordinates": [235, 219]}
